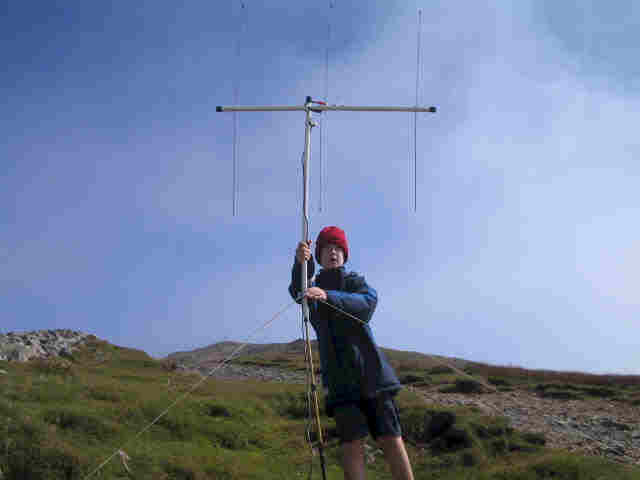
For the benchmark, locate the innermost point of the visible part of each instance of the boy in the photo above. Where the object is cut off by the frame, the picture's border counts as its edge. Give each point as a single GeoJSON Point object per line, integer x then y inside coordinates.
{"type": "Point", "coordinates": [360, 382]}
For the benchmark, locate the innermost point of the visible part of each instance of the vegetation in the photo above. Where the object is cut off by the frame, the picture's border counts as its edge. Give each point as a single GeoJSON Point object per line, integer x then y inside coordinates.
{"type": "Point", "coordinates": [61, 419]}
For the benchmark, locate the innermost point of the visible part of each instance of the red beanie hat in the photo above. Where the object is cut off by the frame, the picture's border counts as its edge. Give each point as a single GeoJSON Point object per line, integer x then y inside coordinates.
{"type": "Point", "coordinates": [333, 235]}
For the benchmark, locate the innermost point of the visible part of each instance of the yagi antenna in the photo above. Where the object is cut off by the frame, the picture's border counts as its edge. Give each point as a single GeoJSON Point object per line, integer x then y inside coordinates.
{"type": "Point", "coordinates": [310, 106]}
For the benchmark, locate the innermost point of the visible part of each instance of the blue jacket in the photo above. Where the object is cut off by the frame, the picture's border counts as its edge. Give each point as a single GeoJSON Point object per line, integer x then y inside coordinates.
{"type": "Point", "coordinates": [353, 367]}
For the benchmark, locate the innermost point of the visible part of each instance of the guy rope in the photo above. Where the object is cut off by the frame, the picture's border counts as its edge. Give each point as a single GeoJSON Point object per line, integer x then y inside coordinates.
{"type": "Point", "coordinates": [119, 451]}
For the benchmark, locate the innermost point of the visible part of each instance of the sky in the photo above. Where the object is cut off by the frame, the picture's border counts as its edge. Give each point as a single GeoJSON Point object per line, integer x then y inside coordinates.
{"type": "Point", "coordinates": [117, 173]}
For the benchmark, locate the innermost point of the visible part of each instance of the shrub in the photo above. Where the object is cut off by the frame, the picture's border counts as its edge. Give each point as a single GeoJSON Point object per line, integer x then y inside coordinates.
{"type": "Point", "coordinates": [560, 394]}
{"type": "Point", "coordinates": [470, 458]}
{"type": "Point", "coordinates": [464, 386]}
{"type": "Point", "coordinates": [437, 423]}
{"type": "Point", "coordinates": [66, 419]}
{"type": "Point", "coordinates": [440, 369]}
{"type": "Point", "coordinates": [534, 438]}
{"type": "Point", "coordinates": [181, 424]}
{"type": "Point", "coordinates": [218, 411]}
{"type": "Point", "coordinates": [413, 421]}
{"type": "Point", "coordinates": [498, 446]}
{"type": "Point", "coordinates": [180, 472]}
{"type": "Point", "coordinates": [488, 431]}
{"type": "Point", "coordinates": [452, 440]}
{"type": "Point", "coordinates": [498, 382]}
{"type": "Point", "coordinates": [599, 392]}
{"type": "Point", "coordinates": [230, 437]}
{"type": "Point", "coordinates": [32, 461]}
{"type": "Point", "coordinates": [104, 394]}
{"type": "Point", "coordinates": [292, 405]}
{"type": "Point", "coordinates": [410, 378]}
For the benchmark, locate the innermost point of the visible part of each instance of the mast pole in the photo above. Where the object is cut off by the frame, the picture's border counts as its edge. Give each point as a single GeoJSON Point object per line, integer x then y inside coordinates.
{"type": "Point", "coordinates": [309, 124]}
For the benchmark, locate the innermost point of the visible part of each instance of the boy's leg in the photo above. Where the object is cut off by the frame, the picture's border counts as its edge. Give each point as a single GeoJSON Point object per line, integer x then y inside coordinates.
{"type": "Point", "coordinates": [353, 460]}
{"type": "Point", "coordinates": [352, 427]}
{"type": "Point", "coordinates": [396, 455]}
{"type": "Point", "coordinates": [384, 423]}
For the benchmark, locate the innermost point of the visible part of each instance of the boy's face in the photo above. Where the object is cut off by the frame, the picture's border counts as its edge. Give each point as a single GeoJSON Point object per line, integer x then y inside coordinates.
{"type": "Point", "coordinates": [331, 256]}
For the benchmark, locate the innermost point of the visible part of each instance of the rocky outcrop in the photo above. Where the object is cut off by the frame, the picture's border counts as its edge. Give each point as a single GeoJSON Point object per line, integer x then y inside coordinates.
{"type": "Point", "coordinates": [21, 347]}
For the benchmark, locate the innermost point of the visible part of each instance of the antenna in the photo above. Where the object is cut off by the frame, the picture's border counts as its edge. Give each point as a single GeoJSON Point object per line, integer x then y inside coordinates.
{"type": "Point", "coordinates": [236, 138]}
{"type": "Point", "coordinates": [415, 116]}
{"type": "Point", "coordinates": [310, 106]}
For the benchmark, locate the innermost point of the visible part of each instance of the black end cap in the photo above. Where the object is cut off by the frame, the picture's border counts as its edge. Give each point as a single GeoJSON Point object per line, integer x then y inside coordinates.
{"type": "Point", "coordinates": [308, 100]}
{"type": "Point", "coordinates": [432, 109]}
{"type": "Point", "coordinates": [218, 109]}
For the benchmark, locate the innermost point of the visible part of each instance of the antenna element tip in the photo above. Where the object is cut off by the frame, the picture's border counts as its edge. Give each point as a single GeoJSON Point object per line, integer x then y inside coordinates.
{"type": "Point", "coordinates": [218, 109]}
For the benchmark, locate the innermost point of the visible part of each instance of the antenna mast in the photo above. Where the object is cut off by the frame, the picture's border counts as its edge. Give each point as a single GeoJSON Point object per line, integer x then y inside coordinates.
{"type": "Point", "coordinates": [309, 107]}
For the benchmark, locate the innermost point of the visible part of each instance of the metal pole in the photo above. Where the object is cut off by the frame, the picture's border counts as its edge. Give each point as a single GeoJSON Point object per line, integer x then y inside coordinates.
{"type": "Point", "coordinates": [305, 198]}
{"type": "Point", "coordinates": [309, 124]}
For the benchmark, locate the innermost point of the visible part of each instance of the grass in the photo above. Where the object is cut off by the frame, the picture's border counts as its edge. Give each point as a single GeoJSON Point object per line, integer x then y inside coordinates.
{"type": "Point", "coordinates": [60, 421]}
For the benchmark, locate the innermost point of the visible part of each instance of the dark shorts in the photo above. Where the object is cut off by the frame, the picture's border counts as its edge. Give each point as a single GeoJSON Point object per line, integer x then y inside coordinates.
{"type": "Point", "coordinates": [377, 416]}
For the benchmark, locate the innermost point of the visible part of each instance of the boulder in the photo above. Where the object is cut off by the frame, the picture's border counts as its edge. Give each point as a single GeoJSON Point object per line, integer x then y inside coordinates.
{"type": "Point", "coordinates": [22, 347]}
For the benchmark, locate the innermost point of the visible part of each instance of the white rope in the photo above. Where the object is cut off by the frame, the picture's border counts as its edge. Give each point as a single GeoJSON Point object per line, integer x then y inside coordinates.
{"type": "Point", "coordinates": [188, 392]}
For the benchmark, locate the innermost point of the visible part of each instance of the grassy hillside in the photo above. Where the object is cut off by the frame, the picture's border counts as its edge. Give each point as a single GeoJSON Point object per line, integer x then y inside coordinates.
{"type": "Point", "coordinates": [60, 419]}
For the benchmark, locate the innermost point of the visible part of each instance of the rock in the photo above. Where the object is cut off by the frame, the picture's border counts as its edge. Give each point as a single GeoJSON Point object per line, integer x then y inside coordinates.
{"type": "Point", "coordinates": [619, 436]}
{"type": "Point", "coordinates": [610, 423]}
{"type": "Point", "coordinates": [2, 372]}
{"type": "Point", "coordinates": [616, 450]}
{"type": "Point", "coordinates": [23, 347]}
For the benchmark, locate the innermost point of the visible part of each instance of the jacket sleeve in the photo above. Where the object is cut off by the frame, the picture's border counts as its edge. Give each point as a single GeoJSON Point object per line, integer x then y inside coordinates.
{"type": "Point", "coordinates": [296, 277]}
{"type": "Point", "coordinates": [361, 303]}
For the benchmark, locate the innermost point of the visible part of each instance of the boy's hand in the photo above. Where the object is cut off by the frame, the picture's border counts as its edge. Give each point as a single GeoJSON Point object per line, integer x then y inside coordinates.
{"type": "Point", "coordinates": [316, 293]}
{"type": "Point", "coordinates": [303, 252]}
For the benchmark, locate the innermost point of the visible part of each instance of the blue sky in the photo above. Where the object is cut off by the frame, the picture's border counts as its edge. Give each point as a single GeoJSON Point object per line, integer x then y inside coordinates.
{"type": "Point", "coordinates": [117, 172]}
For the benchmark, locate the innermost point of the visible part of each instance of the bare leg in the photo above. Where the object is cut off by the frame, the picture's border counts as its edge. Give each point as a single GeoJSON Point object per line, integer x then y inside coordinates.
{"type": "Point", "coordinates": [396, 455]}
{"type": "Point", "coordinates": [353, 460]}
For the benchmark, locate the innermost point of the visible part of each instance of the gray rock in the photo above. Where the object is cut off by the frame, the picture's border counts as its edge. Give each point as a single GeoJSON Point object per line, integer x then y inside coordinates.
{"type": "Point", "coordinates": [611, 423]}
{"type": "Point", "coordinates": [619, 436]}
{"type": "Point", "coordinates": [2, 372]}
{"type": "Point", "coordinates": [22, 347]}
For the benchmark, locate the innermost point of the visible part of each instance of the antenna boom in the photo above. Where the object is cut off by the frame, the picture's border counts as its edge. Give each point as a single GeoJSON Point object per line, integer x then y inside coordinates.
{"type": "Point", "coordinates": [322, 108]}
